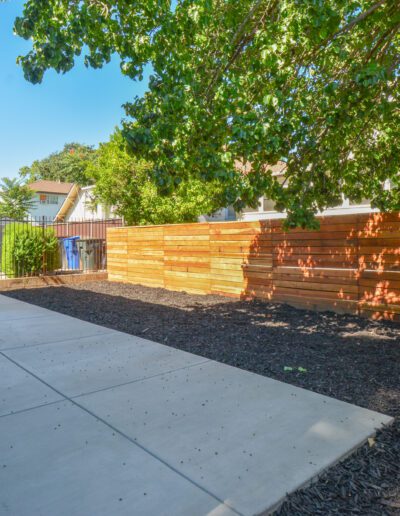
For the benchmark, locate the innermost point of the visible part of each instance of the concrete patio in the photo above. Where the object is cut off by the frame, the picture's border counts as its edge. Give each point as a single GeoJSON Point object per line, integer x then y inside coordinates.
{"type": "Point", "coordinates": [95, 421]}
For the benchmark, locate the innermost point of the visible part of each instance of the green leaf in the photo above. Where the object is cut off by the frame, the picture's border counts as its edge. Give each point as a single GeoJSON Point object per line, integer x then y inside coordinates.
{"type": "Point", "coordinates": [313, 83]}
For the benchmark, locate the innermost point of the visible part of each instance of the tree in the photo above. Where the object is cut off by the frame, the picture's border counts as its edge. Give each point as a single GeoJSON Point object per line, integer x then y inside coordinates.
{"type": "Point", "coordinates": [315, 83]}
{"type": "Point", "coordinates": [125, 182]}
{"type": "Point", "coordinates": [16, 199]}
{"type": "Point", "coordinates": [68, 165]}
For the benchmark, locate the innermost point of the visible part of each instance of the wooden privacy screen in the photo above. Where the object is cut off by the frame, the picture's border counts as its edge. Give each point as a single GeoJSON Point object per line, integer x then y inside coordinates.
{"type": "Point", "coordinates": [352, 264]}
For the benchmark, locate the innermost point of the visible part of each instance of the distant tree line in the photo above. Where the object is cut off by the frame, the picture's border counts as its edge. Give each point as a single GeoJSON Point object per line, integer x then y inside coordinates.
{"type": "Point", "coordinates": [120, 180]}
{"type": "Point", "coordinates": [68, 165]}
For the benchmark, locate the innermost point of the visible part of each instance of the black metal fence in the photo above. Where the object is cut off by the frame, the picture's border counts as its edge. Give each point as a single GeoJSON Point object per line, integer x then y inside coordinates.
{"type": "Point", "coordinates": [37, 246]}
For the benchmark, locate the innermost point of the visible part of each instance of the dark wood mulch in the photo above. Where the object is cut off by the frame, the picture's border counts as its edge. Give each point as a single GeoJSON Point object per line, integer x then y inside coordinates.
{"type": "Point", "coordinates": [352, 359]}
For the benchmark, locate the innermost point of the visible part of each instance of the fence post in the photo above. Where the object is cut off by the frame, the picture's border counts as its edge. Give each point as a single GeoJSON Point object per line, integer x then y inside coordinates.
{"type": "Point", "coordinates": [359, 272]}
{"type": "Point", "coordinates": [44, 251]}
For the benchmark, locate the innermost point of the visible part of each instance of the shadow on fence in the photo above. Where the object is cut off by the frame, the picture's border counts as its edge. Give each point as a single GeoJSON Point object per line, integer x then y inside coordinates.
{"type": "Point", "coordinates": [351, 265]}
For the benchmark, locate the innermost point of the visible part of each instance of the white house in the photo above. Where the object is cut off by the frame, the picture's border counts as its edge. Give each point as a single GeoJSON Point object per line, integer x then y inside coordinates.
{"type": "Point", "coordinates": [80, 206]}
{"type": "Point", "coordinates": [265, 209]}
{"type": "Point", "coordinates": [56, 201]}
{"type": "Point", "coordinates": [49, 197]}
{"type": "Point", "coordinates": [67, 201]}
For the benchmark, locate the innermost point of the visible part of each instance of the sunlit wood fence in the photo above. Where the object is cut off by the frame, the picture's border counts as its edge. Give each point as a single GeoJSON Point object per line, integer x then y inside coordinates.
{"type": "Point", "coordinates": [352, 264]}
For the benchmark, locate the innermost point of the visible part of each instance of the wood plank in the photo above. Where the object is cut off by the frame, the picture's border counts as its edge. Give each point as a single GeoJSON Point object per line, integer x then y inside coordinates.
{"type": "Point", "coordinates": [233, 230]}
{"type": "Point", "coordinates": [382, 307]}
{"type": "Point", "coordinates": [185, 268]}
{"type": "Point", "coordinates": [185, 238]}
{"type": "Point", "coordinates": [262, 237]}
{"type": "Point", "coordinates": [338, 306]}
{"type": "Point", "coordinates": [327, 287]}
{"type": "Point", "coordinates": [215, 274]}
{"type": "Point", "coordinates": [221, 283]}
{"type": "Point", "coordinates": [352, 257]}
{"type": "Point", "coordinates": [201, 229]}
{"type": "Point", "coordinates": [317, 272]}
{"type": "Point", "coordinates": [316, 294]}
{"type": "Point", "coordinates": [237, 225]}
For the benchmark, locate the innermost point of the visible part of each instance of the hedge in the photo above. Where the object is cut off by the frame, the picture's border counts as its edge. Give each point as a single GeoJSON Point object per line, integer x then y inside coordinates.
{"type": "Point", "coordinates": [28, 250]}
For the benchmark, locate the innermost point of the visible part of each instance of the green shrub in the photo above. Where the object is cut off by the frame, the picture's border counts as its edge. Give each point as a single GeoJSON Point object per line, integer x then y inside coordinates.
{"type": "Point", "coordinates": [28, 250]}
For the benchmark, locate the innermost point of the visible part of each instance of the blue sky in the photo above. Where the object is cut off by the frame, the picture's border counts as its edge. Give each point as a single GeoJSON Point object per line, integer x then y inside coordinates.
{"type": "Point", "coordinates": [82, 106]}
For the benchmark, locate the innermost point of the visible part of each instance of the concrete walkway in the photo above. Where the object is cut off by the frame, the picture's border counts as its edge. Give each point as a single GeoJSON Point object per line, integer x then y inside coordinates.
{"type": "Point", "coordinates": [97, 422]}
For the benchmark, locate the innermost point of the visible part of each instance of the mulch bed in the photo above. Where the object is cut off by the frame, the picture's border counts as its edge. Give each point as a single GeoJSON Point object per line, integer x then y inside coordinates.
{"type": "Point", "coordinates": [349, 358]}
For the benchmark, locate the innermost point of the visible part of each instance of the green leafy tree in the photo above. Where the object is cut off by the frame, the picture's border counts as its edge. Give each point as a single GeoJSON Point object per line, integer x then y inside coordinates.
{"type": "Point", "coordinates": [315, 83]}
{"type": "Point", "coordinates": [124, 182]}
{"type": "Point", "coordinates": [16, 199]}
{"type": "Point", "coordinates": [68, 165]}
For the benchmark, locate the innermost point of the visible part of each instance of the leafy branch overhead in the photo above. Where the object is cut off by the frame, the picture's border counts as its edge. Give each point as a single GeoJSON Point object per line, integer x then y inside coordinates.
{"type": "Point", "coordinates": [315, 83]}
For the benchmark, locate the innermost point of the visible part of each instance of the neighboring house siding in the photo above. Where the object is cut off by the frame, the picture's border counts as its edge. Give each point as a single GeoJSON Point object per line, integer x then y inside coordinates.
{"type": "Point", "coordinates": [83, 208]}
{"type": "Point", "coordinates": [224, 214]}
{"type": "Point", "coordinates": [47, 205]}
{"type": "Point", "coordinates": [265, 210]}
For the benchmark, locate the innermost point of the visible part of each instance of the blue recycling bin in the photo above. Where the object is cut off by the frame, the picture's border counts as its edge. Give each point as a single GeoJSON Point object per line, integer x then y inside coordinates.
{"type": "Point", "coordinates": [71, 251]}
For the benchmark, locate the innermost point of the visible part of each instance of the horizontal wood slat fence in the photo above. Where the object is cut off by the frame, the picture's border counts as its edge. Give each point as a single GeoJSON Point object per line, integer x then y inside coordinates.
{"type": "Point", "coordinates": [352, 264]}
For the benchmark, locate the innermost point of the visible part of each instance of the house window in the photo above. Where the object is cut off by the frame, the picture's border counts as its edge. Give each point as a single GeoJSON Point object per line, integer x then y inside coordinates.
{"type": "Point", "coordinates": [268, 204]}
{"type": "Point", "coordinates": [363, 202]}
{"type": "Point", "coordinates": [252, 210]}
{"type": "Point", "coordinates": [48, 199]}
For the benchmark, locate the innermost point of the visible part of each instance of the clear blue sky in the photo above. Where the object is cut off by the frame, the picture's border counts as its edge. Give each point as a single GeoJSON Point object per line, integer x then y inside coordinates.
{"type": "Point", "coordinates": [82, 106]}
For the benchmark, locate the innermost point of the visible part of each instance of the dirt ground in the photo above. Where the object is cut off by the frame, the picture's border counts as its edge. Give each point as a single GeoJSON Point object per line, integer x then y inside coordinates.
{"type": "Point", "coordinates": [352, 359]}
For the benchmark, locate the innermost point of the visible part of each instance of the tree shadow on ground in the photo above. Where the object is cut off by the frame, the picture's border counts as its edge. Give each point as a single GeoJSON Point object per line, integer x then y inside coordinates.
{"type": "Point", "coordinates": [352, 359]}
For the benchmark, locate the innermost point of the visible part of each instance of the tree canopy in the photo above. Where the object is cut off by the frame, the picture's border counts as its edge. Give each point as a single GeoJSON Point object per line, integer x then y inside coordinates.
{"type": "Point", "coordinates": [315, 83]}
{"type": "Point", "coordinates": [16, 199]}
{"type": "Point", "coordinates": [124, 182]}
{"type": "Point", "coordinates": [68, 165]}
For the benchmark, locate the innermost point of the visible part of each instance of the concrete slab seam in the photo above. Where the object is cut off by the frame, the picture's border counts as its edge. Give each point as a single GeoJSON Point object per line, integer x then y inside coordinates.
{"type": "Point", "coordinates": [21, 411]}
{"type": "Point", "coordinates": [27, 318]}
{"type": "Point", "coordinates": [140, 379]}
{"type": "Point", "coordinates": [60, 341]}
{"type": "Point", "coordinates": [132, 441]}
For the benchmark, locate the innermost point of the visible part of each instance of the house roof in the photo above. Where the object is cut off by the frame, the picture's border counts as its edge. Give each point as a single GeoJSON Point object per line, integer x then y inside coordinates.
{"type": "Point", "coordinates": [68, 202]}
{"type": "Point", "coordinates": [54, 187]}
